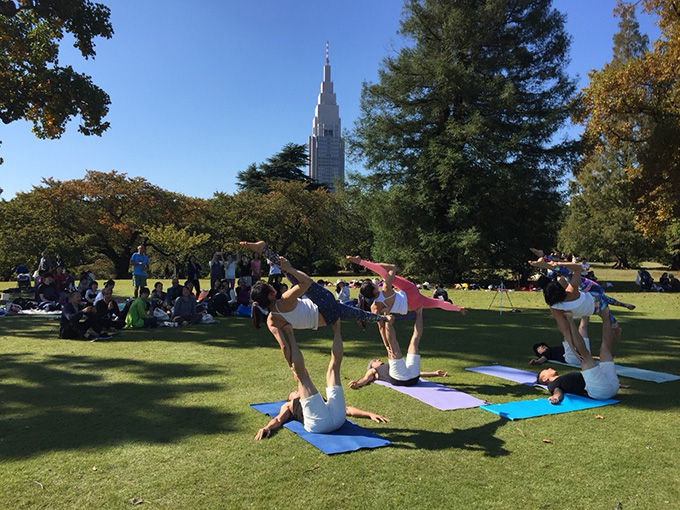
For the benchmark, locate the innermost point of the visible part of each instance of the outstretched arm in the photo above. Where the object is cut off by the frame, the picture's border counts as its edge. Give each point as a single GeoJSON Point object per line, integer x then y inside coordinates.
{"type": "Point", "coordinates": [277, 422]}
{"type": "Point", "coordinates": [556, 396]}
{"type": "Point", "coordinates": [358, 413]}
{"type": "Point", "coordinates": [368, 378]}
{"type": "Point", "coordinates": [538, 361]}
{"type": "Point", "coordinates": [438, 373]}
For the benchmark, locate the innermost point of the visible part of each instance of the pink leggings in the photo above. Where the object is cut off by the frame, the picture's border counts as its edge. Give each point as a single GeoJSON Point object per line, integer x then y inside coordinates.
{"type": "Point", "coordinates": [414, 297]}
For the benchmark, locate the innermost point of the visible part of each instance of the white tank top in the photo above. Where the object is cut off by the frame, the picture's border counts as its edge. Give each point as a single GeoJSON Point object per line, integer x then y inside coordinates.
{"type": "Point", "coordinates": [400, 304]}
{"type": "Point", "coordinates": [584, 306]}
{"type": "Point", "coordinates": [304, 316]}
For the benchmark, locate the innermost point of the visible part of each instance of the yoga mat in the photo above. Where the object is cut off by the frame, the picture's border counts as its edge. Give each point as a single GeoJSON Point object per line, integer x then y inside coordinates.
{"type": "Point", "coordinates": [348, 438]}
{"type": "Point", "coordinates": [541, 407]}
{"type": "Point", "coordinates": [436, 395]}
{"type": "Point", "coordinates": [509, 374]}
{"type": "Point", "coordinates": [635, 373]}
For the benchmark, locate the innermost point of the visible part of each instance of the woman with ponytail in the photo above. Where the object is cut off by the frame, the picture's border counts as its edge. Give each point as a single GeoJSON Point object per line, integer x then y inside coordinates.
{"type": "Point", "coordinates": [317, 308]}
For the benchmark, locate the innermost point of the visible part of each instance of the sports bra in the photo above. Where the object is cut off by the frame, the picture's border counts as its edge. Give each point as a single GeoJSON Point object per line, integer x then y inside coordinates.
{"type": "Point", "coordinates": [400, 304]}
{"type": "Point", "coordinates": [304, 316]}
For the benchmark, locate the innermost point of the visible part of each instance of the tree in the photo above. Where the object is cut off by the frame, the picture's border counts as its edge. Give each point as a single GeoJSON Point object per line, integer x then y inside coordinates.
{"type": "Point", "coordinates": [174, 245]}
{"type": "Point", "coordinates": [601, 222]}
{"type": "Point", "coordinates": [33, 86]}
{"type": "Point", "coordinates": [464, 122]}
{"type": "Point", "coordinates": [638, 104]}
{"type": "Point", "coordinates": [102, 215]}
{"type": "Point", "coordinates": [284, 166]}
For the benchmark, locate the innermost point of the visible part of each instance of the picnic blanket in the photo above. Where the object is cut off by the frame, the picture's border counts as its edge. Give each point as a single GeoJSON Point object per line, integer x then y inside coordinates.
{"type": "Point", "coordinates": [437, 395]}
{"type": "Point", "coordinates": [348, 438]}
{"type": "Point", "coordinates": [542, 406]}
{"type": "Point", "coordinates": [634, 373]}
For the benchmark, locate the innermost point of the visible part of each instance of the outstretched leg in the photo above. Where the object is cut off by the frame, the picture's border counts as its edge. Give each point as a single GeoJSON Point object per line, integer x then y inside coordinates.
{"type": "Point", "coordinates": [607, 337]}
{"type": "Point", "coordinates": [414, 345]}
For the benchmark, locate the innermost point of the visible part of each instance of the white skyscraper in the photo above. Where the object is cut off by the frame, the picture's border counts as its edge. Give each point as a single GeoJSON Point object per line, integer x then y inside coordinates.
{"type": "Point", "coordinates": [326, 147]}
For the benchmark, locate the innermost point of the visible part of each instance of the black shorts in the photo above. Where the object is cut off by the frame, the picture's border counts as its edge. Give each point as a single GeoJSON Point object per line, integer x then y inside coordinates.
{"type": "Point", "coordinates": [408, 382]}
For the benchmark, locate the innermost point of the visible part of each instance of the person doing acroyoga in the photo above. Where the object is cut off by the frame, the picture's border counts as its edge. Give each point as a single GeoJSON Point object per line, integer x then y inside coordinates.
{"type": "Point", "coordinates": [306, 404]}
{"type": "Point", "coordinates": [397, 371]}
{"type": "Point", "coordinates": [598, 382]}
{"type": "Point", "coordinates": [317, 308]}
{"type": "Point", "coordinates": [406, 298]}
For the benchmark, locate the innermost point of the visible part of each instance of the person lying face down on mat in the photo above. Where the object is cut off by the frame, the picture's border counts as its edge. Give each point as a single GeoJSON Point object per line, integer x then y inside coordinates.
{"type": "Point", "coordinates": [407, 297]}
{"type": "Point", "coordinates": [317, 308]}
{"type": "Point", "coordinates": [306, 404]}
{"type": "Point", "coordinates": [598, 382]}
{"type": "Point", "coordinates": [398, 371]}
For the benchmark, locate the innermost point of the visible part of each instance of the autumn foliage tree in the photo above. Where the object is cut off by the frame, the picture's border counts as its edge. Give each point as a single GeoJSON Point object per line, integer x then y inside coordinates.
{"type": "Point", "coordinates": [102, 215]}
{"type": "Point", "coordinates": [33, 86]}
{"type": "Point", "coordinates": [637, 104]}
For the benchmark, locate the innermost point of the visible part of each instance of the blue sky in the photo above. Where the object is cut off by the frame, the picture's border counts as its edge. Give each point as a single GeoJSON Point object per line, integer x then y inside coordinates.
{"type": "Point", "coordinates": [200, 90]}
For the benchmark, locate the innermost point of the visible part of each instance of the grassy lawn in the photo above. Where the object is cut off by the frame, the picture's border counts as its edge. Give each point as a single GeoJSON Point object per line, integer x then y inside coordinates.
{"type": "Point", "coordinates": [162, 415]}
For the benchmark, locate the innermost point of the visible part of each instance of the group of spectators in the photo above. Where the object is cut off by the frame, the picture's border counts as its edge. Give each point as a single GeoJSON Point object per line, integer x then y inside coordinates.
{"type": "Point", "coordinates": [91, 314]}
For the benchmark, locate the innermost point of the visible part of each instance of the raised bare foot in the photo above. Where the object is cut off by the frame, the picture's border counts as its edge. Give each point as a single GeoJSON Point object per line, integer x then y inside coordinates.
{"type": "Point", "coordinates": [256, 247]}
{"type": "Point", "coordinates": [538, 253]}
{"type": "Point", "coordinates": [616, 332]}
{"type": "Point", "coordinates": [629, 306]}
{"type": "Point", "coordinates": [353, 259]}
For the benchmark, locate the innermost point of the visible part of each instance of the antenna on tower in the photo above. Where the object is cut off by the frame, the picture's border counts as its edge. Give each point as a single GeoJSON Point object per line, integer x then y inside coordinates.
{"type": "Point", "coordinates": [326, 52]}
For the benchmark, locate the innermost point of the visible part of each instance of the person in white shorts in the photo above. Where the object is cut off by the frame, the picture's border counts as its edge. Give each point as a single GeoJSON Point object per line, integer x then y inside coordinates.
{"type": "Point", "coordinates": [598, 382]}
{"type": "Point", "coordinates": [306, 404]}
{"type": "Point", "coordinates": [398, 371]}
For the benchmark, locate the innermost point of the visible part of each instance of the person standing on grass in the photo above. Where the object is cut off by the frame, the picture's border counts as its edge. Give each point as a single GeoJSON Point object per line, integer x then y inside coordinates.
{"type": "Point", "coordinates": [140, 263]}
{"type": "Point", "coordinates": [306, 404]}
{"type": "Point", "coordinates": [598, 382]}
{"type": "Point", "coordinates": [397, 371]}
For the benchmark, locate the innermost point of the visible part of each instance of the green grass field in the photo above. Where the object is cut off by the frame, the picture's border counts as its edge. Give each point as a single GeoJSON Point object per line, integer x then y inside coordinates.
{"type": "Point", "coordinates": [162, 416]}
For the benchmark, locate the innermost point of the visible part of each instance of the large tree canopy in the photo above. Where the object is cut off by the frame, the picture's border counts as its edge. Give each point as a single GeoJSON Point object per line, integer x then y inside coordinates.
{"type": "Point", "coordinates": [33, 86]}
{"type": "Point", "coordinates": [637, 104]}
{"type": "Point", "coordinates": [601, 221]}
{"type": "Point", "coordinates": [464, 121]}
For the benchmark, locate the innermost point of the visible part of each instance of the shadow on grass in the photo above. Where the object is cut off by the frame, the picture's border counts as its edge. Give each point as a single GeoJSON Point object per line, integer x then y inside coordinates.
{"type": "Point", "coordinates": [481, 438]}
{"type": "Point", "coordinates": [65, 402]}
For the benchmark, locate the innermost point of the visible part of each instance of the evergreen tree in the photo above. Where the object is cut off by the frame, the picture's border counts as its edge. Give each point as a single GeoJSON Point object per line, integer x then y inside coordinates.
{"type": "Point", "coordinates": [464, 120]}
{"type": "Point", "coordinates": [284, 166]}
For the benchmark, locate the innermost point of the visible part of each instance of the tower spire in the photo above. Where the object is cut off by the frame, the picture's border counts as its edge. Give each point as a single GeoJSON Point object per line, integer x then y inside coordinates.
{"type": "Point", "coordinates": [327, 53]}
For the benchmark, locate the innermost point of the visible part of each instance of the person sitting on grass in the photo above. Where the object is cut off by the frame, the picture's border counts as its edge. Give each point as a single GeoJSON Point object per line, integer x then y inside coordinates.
{"type": "Point", "coordinates": [184, 311]}
{"type": "Point", "coordinates": [219, 304]}
{"type": "Point", "coordinates": [47, 294]}
{"type": "Point", "coordinates": [79, 323]}
{"type": "Point", "coordinates": [398, 371]}
{"type": "Point", "coordinates": [306, 404]}
{"type": "Point", "coordinates": [108, 312]}
{"type": "Point", "coordinates": [598, 382]}
{"type": "Point", "coordinates": [174, 291]}
{"type": "Point", "coordinates": [138, 314]}
{"type": "Point", "coordinates": [92, 292]}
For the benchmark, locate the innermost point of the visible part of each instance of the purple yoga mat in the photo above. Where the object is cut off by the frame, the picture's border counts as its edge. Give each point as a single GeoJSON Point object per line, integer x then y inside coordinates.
{"type": "Point", "coordinates": [437, 395]}
{"type": "Point", "coordinates": [509, 374]}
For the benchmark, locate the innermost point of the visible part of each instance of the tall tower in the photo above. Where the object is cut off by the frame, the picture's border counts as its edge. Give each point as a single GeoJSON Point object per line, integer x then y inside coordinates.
{"type": "Point", "coordinates": [326, 147]}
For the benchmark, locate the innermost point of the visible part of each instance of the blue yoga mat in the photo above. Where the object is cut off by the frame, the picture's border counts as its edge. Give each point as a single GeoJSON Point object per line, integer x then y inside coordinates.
{"type": "Point", "coordinates": [348, 438]}
{"type": "Point", "coordinates": [541, 407]}
{"type": "Point", "coordinates": [640, 374]}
